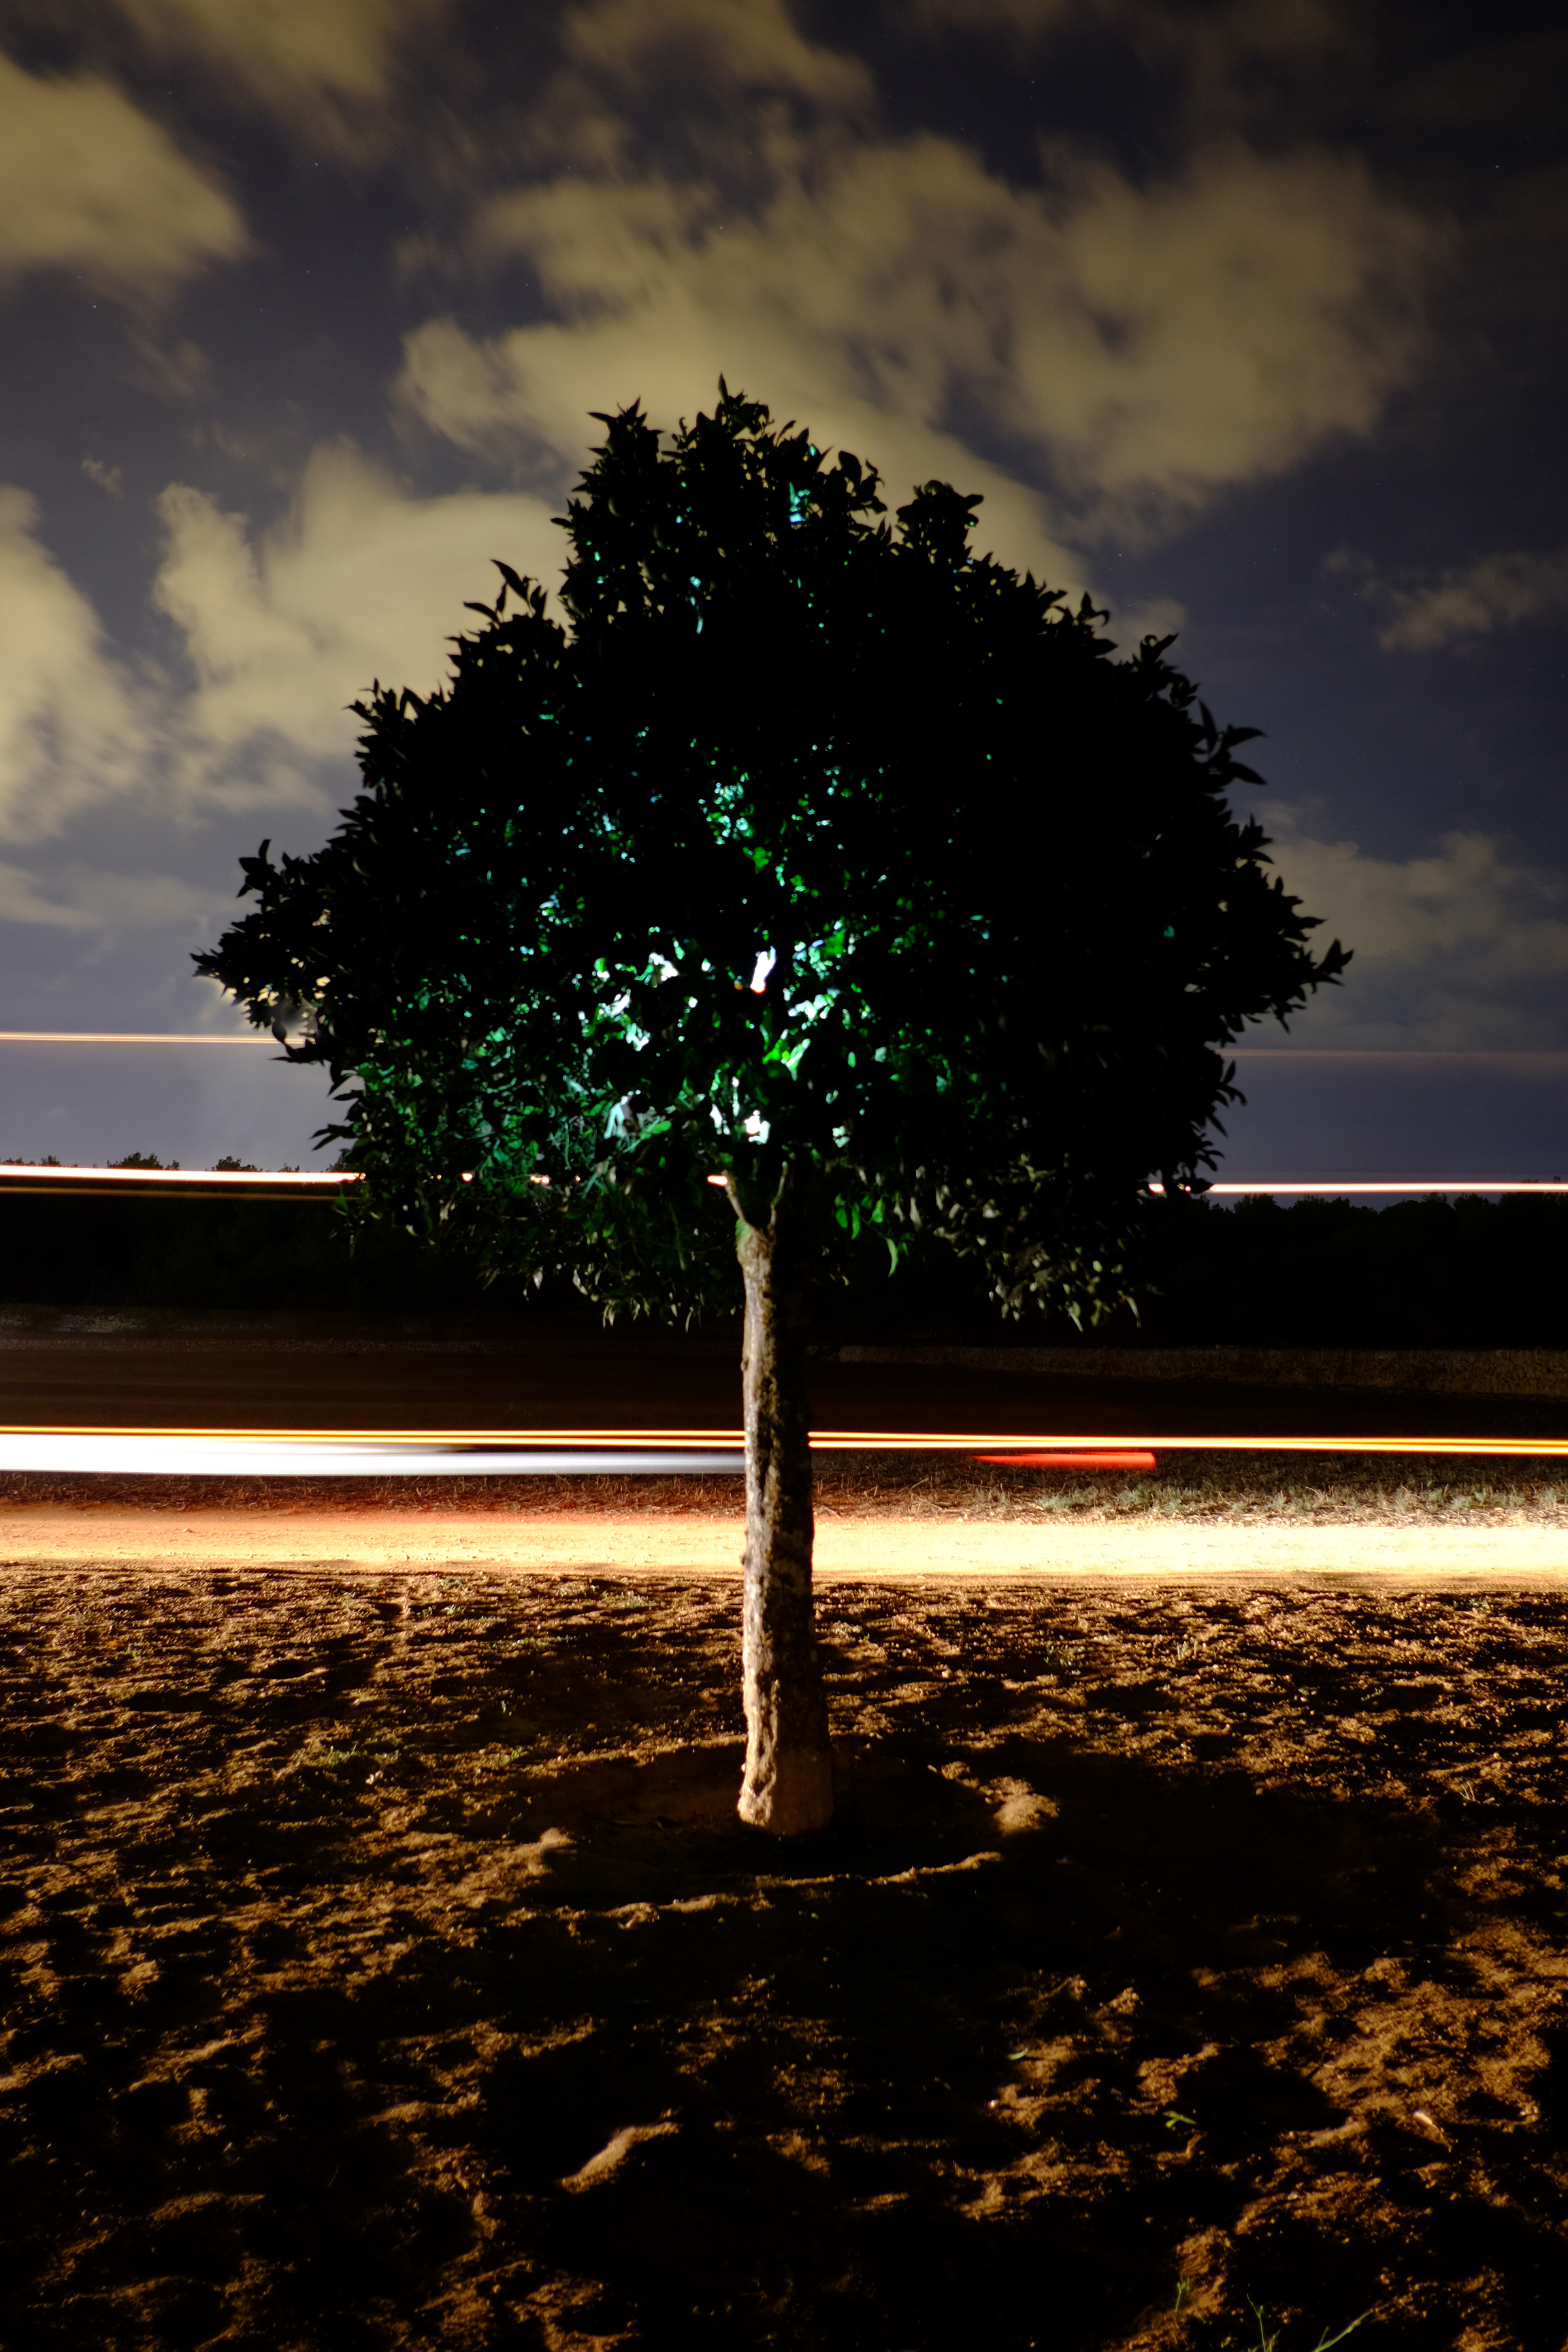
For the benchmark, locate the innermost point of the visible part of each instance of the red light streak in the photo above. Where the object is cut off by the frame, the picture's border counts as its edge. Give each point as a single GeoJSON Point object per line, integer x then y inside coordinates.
{"type": "Point", "coordinates": [1065, 1461]}
{"type": "Point", "coordinates": [1049, 1450]}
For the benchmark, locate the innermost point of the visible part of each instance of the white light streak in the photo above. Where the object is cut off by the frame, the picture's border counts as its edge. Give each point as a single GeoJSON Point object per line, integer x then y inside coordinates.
{"type": "Point", "coordinates": [183, 1456]}
{"type": "Point", "coordinates": [1408, 1188]}
{"type": "Point", "coordinates": [122, 1038]}
{"type": "Point", "coordinates": [17, 1172]}
{"type": "Point", "coordinates": [602, 1453]}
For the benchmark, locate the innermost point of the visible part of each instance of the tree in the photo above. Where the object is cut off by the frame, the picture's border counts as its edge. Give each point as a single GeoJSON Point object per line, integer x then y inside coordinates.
{"type": "Point", "coordinates": [821, 881]}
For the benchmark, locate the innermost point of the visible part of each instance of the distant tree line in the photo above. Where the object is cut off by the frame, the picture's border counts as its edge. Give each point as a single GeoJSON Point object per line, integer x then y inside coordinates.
{"type": "Point", "coordinates": [1436, 1273]}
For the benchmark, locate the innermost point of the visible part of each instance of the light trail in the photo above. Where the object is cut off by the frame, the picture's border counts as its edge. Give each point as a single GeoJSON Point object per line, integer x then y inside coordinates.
{"type": "Point", "coordinates": [1010, 1448]}
{"type": "Point", "coordinates": [18, 1176]}
{"type": "Point", "coordinates": [602, 1452]}
{"type": "Point", "coordinates": [1064, 1461]}
{"type": "Point", "coordinates": [1414, 1188]}
{"type": "Point", "coordinates": [26, 1175]}
{"type": "Point", "coordinates": [124, 1037]}
{"type": "Point", "coordinates": [21, 1175]}
{"type": "Point", "coordinates": [163, 1454]}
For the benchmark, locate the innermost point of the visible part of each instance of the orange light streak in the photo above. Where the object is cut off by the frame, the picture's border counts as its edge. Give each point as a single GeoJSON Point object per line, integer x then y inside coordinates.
{"type": "Point", "coordinates": [15, 1174]}
{"type": "Point", "coordinates": [1005, 1447]}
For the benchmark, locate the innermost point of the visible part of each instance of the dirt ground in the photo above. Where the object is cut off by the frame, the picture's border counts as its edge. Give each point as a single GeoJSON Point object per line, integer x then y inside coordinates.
{"type": "Point", "coordinates": [894, 1513]}
{"type": "Point", "coordinates": [384, 1965]}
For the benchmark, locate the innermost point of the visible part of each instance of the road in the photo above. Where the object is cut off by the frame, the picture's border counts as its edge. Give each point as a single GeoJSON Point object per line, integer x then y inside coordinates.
{"type": "Point", "coordinates": [311, 1378]}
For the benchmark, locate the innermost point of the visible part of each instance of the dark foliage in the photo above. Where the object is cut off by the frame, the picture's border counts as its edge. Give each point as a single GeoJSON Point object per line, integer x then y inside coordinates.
{"type": "Point", "coordinates": [216, 1253]}
{"type": "Point", "coordinates": [1420, 1273]}
{"type": "Point", "coordinates": [814, 845]}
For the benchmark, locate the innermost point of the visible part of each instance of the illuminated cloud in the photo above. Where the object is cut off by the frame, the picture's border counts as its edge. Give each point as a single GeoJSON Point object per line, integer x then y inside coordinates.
{"type": "Point", "coordinates": [1498, 592]}
{"type": "Point", "coordinates": [283, 632]}
{"type": "Point", "coordinates": [75, 728]}
{"type": "Point", "coordinates": [108, 478]}
{"type": "Point", "coordinates": [1139, 349]}
{"type": "Point", "coordinates": [82, 898]}
{"type": "Point", "coordinates": [748, 44]}
{"type": "Point", "coordinates": [21, 902]}
{"type": "Point", "coordinates": [318, 64]}
{"type": "Point", "coordinates": [91, 185]}
{"type": "Point", "coordinates": [1454, 948]}
{"type": "Point", "coordinates": [360, 580]}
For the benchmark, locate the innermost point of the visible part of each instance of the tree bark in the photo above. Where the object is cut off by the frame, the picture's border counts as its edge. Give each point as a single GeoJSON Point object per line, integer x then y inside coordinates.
{"type": "Point", "coordinates": [788, 1785]}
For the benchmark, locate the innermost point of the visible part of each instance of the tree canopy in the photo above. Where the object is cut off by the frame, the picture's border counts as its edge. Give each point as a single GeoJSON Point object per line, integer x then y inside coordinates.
{"type": "Point", "coordinates": [810, 841]}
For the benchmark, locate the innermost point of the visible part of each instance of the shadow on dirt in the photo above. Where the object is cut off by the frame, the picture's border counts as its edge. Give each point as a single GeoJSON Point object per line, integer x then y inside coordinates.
{"type": "Point", "coordinates": [333, 2039]}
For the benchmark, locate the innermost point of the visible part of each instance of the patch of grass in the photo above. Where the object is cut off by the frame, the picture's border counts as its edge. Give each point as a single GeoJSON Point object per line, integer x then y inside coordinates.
{"type": "Point", "coordinates": [1269, 2341]}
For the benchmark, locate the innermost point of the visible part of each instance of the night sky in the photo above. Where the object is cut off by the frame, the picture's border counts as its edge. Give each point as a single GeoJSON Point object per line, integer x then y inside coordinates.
{"type": "Point", "coordinates": [1250, 317]}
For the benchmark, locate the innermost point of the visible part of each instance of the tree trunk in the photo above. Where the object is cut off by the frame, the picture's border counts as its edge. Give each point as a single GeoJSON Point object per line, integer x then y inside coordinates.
{"type": "Point", "coordinates": [788, 1785]}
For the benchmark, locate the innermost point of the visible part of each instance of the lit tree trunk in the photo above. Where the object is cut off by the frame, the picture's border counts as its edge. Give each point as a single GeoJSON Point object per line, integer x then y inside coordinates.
{"type": "Point", "coordinates": [788, 1785]}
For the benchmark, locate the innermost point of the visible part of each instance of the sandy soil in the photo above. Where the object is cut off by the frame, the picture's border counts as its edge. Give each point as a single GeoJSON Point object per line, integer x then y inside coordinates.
{"type": "Point", "coordinates": [710, 1546]}
{"type": "Point", "coordinates": [383, 1967]}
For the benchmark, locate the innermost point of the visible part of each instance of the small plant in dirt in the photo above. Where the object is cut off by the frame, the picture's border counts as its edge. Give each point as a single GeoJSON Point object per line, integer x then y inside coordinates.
{"type": "Point", "coordinates": [820, 888]}
{"type": "Point", "coordinates": [1272, 2339]}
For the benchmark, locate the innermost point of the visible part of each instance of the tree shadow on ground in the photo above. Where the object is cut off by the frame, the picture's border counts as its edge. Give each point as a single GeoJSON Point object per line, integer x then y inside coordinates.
{"type": "Point", "coordinates": [613, 2069]}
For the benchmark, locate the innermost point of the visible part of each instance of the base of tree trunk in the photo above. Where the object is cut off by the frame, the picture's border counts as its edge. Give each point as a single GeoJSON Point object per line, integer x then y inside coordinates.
{"type": "Point", "coordinates": [788, 1784]}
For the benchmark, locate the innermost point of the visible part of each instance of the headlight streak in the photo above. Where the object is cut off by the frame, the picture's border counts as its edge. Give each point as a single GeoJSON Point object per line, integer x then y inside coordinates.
{"type": "Point", "coordinates": [313, 1454]}
{"type": "Point", "coordinates": [27, 1176]}
{"type": "Point", "coordinates": [127, 1037]}
{"type": "Point", "coordinates": [162, 1450]}
{"type": "Point", "coordinates": [20, 1175]}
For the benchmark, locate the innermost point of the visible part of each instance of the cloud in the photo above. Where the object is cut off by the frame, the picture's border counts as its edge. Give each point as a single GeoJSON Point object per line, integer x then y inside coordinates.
{"type": "Point", "coordinates": [91, 185]}
{"type": "Point", "coordinates": [283, 631]}
{"type": "Point", "coordinates": [359, 580]}
{"type": "Point", "coordinates": [688, 80]}
{"type": "Point", "coordinates": [1498, 592]}
{"type": "Point", "coordinates": [1456, 947]}
{"type": "Point", "coordinates": [75, 727]}
{"type": "Point", "coordinates": [21, 903]}
{"type": "Point", "coordinates": [91, 899]}
{"type": "Point", "coordinates": [746, 44]}
{"type": "Point", "coordinates": [316, 63]}
{"type": "Point", "coordinates": [1140, 349]}
{"type": "Point", "coordinates": [108, 478]}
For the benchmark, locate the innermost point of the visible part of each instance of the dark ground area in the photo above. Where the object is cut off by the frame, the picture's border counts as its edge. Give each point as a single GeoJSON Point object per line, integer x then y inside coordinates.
{"type": "Point", "coordinates": [300, 1373]}
{"type": "Point", "coordinates": [383, 1967]}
